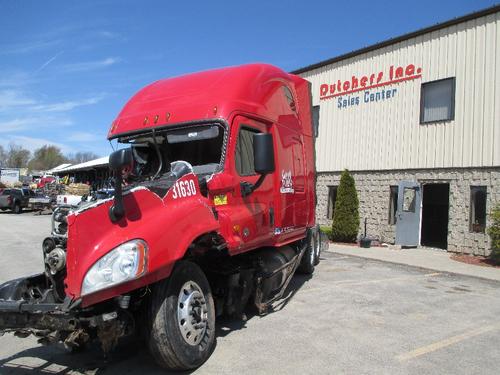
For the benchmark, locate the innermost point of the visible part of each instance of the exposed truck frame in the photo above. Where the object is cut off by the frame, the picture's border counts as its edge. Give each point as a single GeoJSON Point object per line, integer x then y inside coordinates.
{"type": "Point", "coordinates": [214, 209]}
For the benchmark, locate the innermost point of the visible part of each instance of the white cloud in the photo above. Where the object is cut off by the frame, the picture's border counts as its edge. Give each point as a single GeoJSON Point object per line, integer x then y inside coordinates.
{"type": "Point", "coordinates": [14, 98]}
{"type": "Point", "coordinates": [10, 79]}
{"type": "Point", "coordinates": [32, 143]}
{"type": "Point", "coordinates": [66, 106]}
{"type": "Point", "coordinates": [84, 137]}
{"type": "Point", "coordinates": [31, 123]}
{"type": "Point", "coordinates": [27, 47]}
{"type": "Point", "coordinates": [91, 65]}
{"type": "Point", "coordinates": [15, 101]}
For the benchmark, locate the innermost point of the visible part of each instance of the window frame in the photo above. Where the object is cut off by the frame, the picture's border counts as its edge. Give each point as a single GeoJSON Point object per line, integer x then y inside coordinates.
{"type": "Point", "coordinates": [472, 203]}
{"type": "Point", "coordinates": [255, 131]}
{"type": "Point", "coordinates": [453, 90]}
{"type": "Point", "coordinates": [290, 99]}
{"type": "Point", "coordinates": [393, 192]}
{"type": "Point", "coordinates": [328, 207]}
{"type": "Point", "coordinates": [315, 112]}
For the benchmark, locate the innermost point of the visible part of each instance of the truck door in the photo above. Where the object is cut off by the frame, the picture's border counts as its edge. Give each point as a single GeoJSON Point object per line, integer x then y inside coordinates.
{"type": "Point", "coordinates": [300, 198]}
{"type": "Point", "coordinates": [408, 214]}
{"type": "Point", "coordinates": [252, 215]}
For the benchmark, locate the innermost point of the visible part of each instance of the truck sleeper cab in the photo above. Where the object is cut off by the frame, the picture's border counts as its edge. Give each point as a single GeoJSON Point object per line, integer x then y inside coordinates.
{"type": "Point", "coordinates": [214, 207]}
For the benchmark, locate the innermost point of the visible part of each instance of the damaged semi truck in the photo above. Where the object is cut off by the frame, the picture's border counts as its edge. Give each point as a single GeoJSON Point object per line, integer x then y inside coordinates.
{"type": "Point", "coordinates": [214, 209]}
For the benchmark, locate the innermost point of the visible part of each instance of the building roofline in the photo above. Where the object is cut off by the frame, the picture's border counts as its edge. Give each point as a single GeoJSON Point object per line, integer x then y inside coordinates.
{"type": "Point", "coordinates": [388, 42]}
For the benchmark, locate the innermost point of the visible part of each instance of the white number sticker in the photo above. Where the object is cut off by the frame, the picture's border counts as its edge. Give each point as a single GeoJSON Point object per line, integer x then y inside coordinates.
{"type": "Point", "coordinates": [183, 189]}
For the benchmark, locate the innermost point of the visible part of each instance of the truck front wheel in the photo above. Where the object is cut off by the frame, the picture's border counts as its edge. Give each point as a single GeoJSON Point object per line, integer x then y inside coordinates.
{"type": "Point", "coordinates": [182, 319]}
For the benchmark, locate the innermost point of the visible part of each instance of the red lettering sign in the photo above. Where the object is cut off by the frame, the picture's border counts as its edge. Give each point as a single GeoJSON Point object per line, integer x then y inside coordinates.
{"type": "Point", "coordinates": [395, 74]}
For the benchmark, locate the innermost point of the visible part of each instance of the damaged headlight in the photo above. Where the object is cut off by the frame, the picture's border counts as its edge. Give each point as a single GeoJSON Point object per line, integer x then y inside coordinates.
{"type": "Point", "coordinates": [126, 262]}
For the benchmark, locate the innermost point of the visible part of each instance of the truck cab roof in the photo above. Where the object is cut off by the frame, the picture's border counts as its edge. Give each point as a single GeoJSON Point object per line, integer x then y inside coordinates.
{"type": "Point", "coordinates": [206, 96]}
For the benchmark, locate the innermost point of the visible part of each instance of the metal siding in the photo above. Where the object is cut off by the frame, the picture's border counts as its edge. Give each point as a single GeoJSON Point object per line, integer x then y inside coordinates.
{"type": "Point", "coordinates": [388, 134]}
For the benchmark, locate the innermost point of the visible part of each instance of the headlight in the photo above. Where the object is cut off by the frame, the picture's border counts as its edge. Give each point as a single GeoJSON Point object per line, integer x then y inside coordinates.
{"type": "Point", "coordinates": [124, 263]}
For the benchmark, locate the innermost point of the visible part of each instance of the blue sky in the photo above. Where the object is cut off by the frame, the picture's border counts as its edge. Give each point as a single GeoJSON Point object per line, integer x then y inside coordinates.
{"type": "Point", "coordinates": [68, 67]}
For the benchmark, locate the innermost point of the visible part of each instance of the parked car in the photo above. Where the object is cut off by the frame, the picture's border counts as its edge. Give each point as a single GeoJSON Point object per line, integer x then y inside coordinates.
{"type": "Point", "coordinates": [15, 199]}
{"type": "Point", "coordinates": [69, 200]}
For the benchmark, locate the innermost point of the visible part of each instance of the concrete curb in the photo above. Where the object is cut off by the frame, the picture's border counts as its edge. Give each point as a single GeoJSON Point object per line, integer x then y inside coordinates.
{"type": "Point", "coordinates": [448, 266]}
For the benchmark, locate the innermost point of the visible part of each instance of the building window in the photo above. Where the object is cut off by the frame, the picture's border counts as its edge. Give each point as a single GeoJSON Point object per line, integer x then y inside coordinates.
{"type": "Point", "coordinates": [244, 152]}
{"type": "Point", "coordinates": [477, 209]}
{"type": "Point", "coordinates": [438, 101]}
{"type": "Point", "coordinates": [409, 199]}
{"type": "Point", "coordinates": [332, 198]}
{"type": "Point", "coordinates": [315, 116]}
{"type": "Point", "coordinates": [393, 204]}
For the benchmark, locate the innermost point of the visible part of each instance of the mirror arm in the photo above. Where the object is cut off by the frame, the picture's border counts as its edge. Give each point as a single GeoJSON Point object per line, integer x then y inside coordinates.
{"type": "Point", "coordinates": [247, 188]}
{"type": "Point", "coordinates": [117, 210]}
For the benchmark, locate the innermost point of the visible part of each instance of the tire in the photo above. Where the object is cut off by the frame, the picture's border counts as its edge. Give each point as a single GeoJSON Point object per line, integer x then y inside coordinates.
{"type": "Point", "coordinates": [318, 247]}
{"type": "Point", "coordinates": [17, 209]}
{"type": "Point", "coordinates": [174, 341]}
{"type": "Point", "coordinates": [311, 255]}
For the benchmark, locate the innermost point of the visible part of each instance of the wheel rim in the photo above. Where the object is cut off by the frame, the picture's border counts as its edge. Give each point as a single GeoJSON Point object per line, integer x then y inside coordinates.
{"type": "Point", "coordinates": [192, 313]}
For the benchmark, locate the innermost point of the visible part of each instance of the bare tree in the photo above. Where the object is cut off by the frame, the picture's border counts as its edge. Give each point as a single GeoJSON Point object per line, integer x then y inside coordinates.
{"type": "Point", "coordinates": [17, 156]}
{"type": "Point", "coordinates": [3, 157]}
{"type": "Point", "coordinates": [82, 157]}
{"type": "Point", "coordinates": [46, 157]}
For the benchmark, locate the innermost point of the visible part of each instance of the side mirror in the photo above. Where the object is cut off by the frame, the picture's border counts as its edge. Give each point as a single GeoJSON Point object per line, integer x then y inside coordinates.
{"type": "Point", "coordinates": [119, 160]}
{"type": "Point", "coordinates": [263, 160]}
{"type": "Point", "coordinates": [263, 153]}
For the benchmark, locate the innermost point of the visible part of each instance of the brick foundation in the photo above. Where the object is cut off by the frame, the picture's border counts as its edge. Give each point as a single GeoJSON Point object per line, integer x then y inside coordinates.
{"type": "Point", "coordinates": [374, 191]}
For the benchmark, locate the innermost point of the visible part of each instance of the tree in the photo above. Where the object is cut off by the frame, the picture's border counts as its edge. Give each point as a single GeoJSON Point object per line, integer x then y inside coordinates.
{"type": "Point", "coordinates": [46, 157]}
{"type": "Point", "coordinates": [346, 215]}
{"type": "Point", "coordinates": [494, 232]}
{"type": "Point", "coordinates": [17, 156]}
{"type": "Point", "coordinates": [3, 157]}
{"type": "Point", "coordinates": [82, 157]}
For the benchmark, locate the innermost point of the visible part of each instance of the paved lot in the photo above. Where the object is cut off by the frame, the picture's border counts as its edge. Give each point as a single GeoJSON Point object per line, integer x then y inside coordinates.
{"type": "Point", "coordinates": [355, 316]}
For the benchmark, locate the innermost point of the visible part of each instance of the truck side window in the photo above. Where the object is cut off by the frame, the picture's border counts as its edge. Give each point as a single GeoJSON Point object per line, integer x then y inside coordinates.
{"type": "Point", "coordinates": [244, 152]}
{"type": "Point", "coordinates": [289, 98]}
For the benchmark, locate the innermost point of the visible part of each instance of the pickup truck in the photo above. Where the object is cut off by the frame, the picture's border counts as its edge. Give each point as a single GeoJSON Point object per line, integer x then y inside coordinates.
{"type": "Point", "coordinates": [15, 199]}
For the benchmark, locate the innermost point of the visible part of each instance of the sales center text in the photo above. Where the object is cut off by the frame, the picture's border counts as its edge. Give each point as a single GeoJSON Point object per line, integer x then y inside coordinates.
{"type": "Point", "coordinates": [342, 90]}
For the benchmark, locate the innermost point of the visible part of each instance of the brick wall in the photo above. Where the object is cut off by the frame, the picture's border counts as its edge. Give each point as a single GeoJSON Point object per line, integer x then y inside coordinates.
{"type": "Point", "coordinates": [373, 193]}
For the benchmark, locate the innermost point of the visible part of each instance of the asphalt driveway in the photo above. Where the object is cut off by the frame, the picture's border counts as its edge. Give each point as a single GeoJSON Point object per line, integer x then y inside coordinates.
{"type": "Point", "coordinates": [354, 316]}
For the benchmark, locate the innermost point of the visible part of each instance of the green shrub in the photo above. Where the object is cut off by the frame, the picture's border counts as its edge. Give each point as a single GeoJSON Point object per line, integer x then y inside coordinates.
{"type": "Point", "coordinates": [326, 229]}
{"type": "Point", "coordinates": [346, 215]}
{"type": "Point", "coordinates": [494, 232]}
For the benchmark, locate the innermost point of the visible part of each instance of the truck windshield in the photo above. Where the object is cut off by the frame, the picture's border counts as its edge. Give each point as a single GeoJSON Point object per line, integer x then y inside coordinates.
{"type": "Point", "coordinates": [200, 146]}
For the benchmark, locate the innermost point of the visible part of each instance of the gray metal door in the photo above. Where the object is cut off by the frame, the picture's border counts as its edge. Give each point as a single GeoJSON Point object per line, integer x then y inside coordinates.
{"type": "Point", "coordinates": [408, 214]}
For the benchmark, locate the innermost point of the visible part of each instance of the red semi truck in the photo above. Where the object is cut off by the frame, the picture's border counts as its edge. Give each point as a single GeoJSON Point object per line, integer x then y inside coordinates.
{"type": "Point", "coordinates": [214, 209]}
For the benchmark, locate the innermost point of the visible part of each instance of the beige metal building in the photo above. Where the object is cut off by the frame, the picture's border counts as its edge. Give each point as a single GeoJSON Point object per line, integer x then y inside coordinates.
{"type": "Point", "coordinates": [416, 119]}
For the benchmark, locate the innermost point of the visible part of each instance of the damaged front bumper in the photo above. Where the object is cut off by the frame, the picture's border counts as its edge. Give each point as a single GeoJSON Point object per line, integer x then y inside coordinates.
{"type": "Point", "coordinates": [27, 306]}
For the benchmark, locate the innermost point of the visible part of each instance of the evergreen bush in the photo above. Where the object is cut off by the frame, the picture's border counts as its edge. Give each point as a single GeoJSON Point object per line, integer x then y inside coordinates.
{"type": "Point", "coordinates": [346, 215]}
{"type": "Point", "coordinates": [326, 229]}
{"type": "Point", "coordinates": [494, 232]}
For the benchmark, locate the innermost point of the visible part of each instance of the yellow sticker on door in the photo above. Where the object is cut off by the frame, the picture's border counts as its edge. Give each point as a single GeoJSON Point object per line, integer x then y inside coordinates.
{"type": "Point", "coordinates": [220, 200]}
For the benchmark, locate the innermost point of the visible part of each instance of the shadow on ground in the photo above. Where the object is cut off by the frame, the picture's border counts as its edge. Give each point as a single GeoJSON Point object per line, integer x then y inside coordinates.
{"type": "Point", "coordinates": [130, 357]}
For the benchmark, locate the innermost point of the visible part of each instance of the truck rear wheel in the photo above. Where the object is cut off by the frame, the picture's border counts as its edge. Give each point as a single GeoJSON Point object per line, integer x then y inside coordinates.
{"type": "Point", "coordinates": [182, 319]}
{"type": "Point", "coordinates": [311, 256]}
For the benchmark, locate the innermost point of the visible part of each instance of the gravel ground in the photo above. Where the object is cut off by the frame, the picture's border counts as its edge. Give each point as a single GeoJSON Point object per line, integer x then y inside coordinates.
{"type": "Point", "coordinates": [354, 316]}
